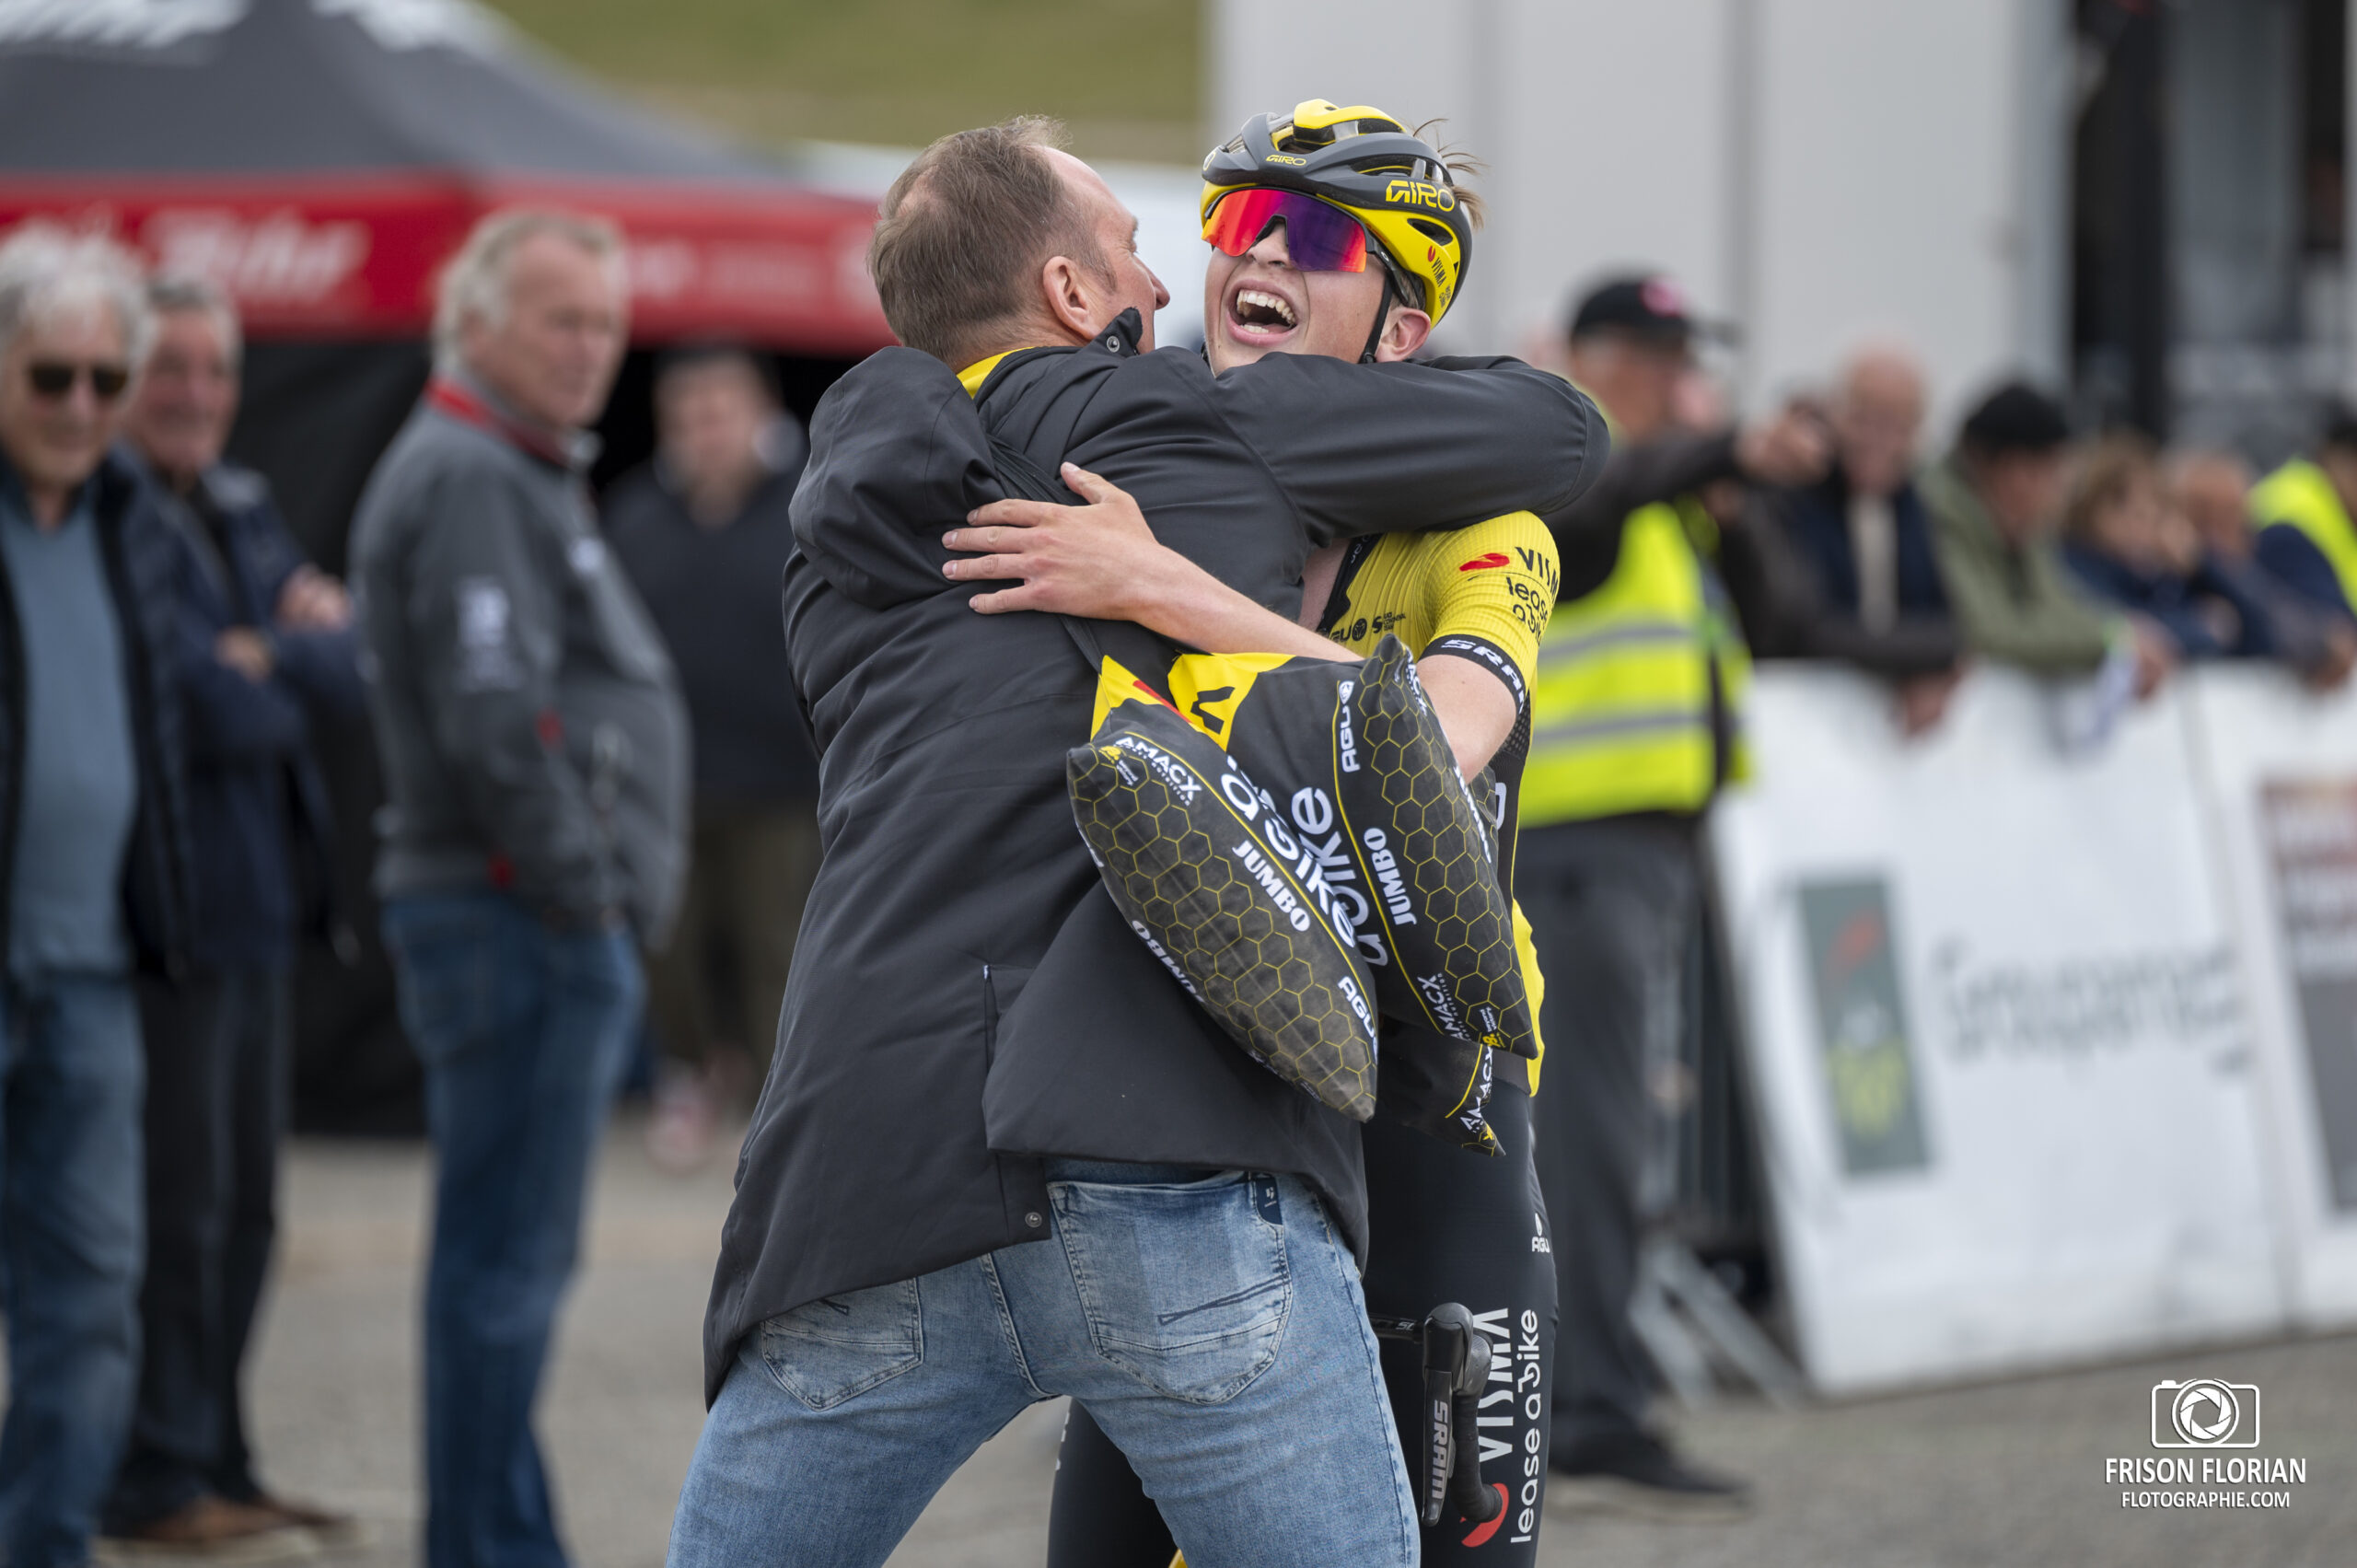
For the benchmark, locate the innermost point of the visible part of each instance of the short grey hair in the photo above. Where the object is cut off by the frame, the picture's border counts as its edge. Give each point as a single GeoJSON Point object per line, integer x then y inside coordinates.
{"type": "Point", "coordinates": [180, 294]}
{"type": "Point", "coordinates": [46, 272]}
{"type": "Point", "coordinates": [473, 286]}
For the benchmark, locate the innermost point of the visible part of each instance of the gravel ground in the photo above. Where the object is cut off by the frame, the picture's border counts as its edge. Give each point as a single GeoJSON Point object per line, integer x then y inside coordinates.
{"type": "Point", "coordinates": [2009, 1473]}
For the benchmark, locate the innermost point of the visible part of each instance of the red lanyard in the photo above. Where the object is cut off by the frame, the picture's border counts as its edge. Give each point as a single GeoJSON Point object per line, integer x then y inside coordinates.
{"type": "Point", "coordinates": [459, 403]}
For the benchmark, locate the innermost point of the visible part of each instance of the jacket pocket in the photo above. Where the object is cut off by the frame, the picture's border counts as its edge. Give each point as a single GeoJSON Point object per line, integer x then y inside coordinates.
{"type": "Point", "coordinates": [839, 1347]}
{"type": "Point", "coordinates": [1184, 1287]}
{"type": "Point", "coordinates": [1002, 983]}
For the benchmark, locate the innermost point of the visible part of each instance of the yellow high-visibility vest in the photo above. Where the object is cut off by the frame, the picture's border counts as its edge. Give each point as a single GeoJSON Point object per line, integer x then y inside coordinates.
{"type": "Point", "coordinates": [1635, 680]}
{"type": "Point", "coordinates": [2302, 495]}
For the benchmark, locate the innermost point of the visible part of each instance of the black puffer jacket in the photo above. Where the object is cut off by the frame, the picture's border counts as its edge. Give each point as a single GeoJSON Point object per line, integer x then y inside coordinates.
{"type": "Point", "coordinates": [964, 998]}
{"type": "Point", "coordinates": [144, 564]}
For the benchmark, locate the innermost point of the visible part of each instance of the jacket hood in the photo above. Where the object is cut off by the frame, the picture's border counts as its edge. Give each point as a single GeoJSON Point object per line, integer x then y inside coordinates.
{"type": "Point", "coordinates": [898, 456]}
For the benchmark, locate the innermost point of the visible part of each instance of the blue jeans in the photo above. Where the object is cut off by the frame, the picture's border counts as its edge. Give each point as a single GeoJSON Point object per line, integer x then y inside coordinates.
{"type": "Point", "coordinates": [524, 1033]}
{"type": "Point", "coordinates": [70, 1243]}
{"type": "Point", "coordinates": [1214, 1327]}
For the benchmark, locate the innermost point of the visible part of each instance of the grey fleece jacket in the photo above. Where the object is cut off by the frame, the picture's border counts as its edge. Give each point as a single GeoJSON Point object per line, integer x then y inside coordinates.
{"type": "Point", "coordinates": [529, 726]}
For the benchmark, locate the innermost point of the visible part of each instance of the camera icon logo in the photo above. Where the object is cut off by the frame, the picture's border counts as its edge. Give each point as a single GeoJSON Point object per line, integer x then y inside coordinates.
{"type": "Point", "coordinates": [2204, 1413]}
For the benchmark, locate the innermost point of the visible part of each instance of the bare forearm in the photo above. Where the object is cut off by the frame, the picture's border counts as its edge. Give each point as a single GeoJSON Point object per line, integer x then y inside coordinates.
{"type": "Point", "coordinates": [1189, 605]}
{"type": "Point", "coordinates": [1475, 709]}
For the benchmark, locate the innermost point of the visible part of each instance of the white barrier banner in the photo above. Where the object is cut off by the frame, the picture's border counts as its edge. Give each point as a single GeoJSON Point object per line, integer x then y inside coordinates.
{"type": "Point", "coordinates": [1995, 1035]}
{"type": "Point", "coordinates": [2280, 765]}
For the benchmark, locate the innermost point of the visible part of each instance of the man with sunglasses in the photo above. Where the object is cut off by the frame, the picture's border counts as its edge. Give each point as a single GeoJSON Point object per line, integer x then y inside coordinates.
{"type": "Point", "coordinates": [975, 1052]}
{"type": "Point", "coordinates": [93, 854]}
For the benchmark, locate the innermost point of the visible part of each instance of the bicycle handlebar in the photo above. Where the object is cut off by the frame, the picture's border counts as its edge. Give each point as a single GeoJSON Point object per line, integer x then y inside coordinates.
{"type": "Point", "coordinates": [1456, 1363]}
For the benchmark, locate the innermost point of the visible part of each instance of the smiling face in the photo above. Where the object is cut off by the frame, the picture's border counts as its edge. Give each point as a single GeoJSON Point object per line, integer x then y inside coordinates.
{"type": "Point", "coordinates": [188, 397]}
{"type": "Point", "coordinates": [56, 440]}
{"type": "Point", "coordinates": [1259, 303]}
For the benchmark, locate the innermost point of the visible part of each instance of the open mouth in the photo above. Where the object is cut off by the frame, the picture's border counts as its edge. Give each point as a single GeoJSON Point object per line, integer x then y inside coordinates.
{"type": "Point", "coordinates": [1258, 316]}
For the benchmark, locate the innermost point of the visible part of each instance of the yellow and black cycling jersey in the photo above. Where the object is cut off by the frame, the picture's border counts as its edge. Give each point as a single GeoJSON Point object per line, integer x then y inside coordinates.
{"type": "Point", "coordinates": [1484, 594]}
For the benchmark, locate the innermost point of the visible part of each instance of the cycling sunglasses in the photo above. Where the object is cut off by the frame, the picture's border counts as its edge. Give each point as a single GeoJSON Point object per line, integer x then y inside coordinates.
{"type": "Point", "coordinates": [54, 378]}
{"type": "Point", "coordinates": [1318, 237]}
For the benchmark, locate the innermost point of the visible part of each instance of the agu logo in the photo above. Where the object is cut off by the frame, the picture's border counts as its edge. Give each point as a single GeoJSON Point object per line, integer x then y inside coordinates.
{"type": "Point", "coordinates": [2205, 1413]}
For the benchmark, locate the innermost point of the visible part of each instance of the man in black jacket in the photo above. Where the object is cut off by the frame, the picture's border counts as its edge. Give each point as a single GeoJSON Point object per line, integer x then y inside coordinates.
{"type": "Point", "coordinates": [266, 648]}
{"type": "Point", "coordinates": [93, 858]}
{"type": "Point", "coordinates": [975, 1051]}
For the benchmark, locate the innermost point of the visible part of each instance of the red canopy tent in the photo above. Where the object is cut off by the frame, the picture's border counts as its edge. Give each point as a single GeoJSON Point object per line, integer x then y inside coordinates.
{"type": "Point", "coordinates": [320, 159]}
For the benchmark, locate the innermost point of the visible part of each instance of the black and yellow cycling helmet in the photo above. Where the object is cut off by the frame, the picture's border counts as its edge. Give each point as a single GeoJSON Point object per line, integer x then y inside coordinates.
{"type": "Point", "coordinates": [1364, 162]}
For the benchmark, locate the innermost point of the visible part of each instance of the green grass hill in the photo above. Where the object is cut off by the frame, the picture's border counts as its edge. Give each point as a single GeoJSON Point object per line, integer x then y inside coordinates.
{"type": "Point", "coordinates": [1125, 75]}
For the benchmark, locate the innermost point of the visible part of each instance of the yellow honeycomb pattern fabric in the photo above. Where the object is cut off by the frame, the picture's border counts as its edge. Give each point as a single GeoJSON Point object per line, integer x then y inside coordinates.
{"type": "Point", "coordinates": [1192, 854]}
{"type": "Point", "coordinates": [1358, 824]}
{"type": "Point", "coordinates": [1412, 860]}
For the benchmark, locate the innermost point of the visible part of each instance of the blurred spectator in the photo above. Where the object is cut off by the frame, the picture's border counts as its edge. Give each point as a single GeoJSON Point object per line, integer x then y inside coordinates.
{"type": "Point", "coordinates": [2115, 540]}
{"type": "Point", "coordinates": [1995, 503]}
{"type": "Point", "coordinates": [703, 533]}
{"type": "Point", "coordinates": [1607, 866]}
{"type": "Point", "coordinates": [1845, 569]}
{"type": "Point", "coordinates": [2301, 511]}
{"type": "Point", "coordinates": [2210, 491]}
{"type": "Point", "coordinates": [93, 861]}
{"type": "Point", "coordinates": [266, 636]}
{"type": "Point", "coordinates": [2132, 547]}
{"type": "Point", "coordinates": [535, 757]}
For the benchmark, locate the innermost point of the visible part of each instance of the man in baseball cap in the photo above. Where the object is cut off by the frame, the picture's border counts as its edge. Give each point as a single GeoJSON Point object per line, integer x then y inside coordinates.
{"type": "Point", "coordinates": [1635, 725]}
{"type": "Point", "coordinates": [1645, 306]}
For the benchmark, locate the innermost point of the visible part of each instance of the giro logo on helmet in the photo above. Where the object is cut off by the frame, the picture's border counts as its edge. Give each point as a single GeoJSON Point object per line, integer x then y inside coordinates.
{"type": "Point", "coordinates": [1416, 193]}
{"type": "Point", "coordinates": [1285, 158]}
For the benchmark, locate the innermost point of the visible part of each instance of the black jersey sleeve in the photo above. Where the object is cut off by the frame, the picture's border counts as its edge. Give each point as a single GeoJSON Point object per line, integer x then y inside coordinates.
{"type": "Point", "coordinates": [1379, 448]}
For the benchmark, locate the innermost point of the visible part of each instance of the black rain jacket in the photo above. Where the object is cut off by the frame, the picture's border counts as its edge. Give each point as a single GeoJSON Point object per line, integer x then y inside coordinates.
{"type": "Point", "coordinates": [965, 1000]}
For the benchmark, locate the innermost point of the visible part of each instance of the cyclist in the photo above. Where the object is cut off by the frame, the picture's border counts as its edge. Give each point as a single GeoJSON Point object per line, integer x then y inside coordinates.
{"type": "Point", "coordinates": [1339, 232]}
